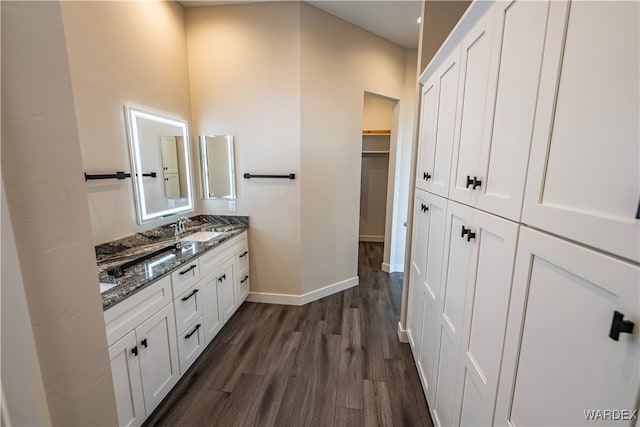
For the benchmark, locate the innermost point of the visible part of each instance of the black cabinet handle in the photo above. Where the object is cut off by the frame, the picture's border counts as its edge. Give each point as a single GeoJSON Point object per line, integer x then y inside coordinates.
{"type": "Point", "coordinates": [221, 278]}
{"type": "Point", "coordinates": [470, 236]}
{"type": "Point", "coordinates": [243, 254]}
{"type": "Point", "coordinates": [426, 176]}
{"type": "Point", "coordinates": [619, 326]}
{"type": "Point", "coordinates": [469, 181]}
{"type": "Point", "coordinates": [144, 343]}
{"type": "Point", "coordinates": [134, 351]}
{"type": "Point", "coordinates": [188, 269]}
{"type": "Point", "coordinates": [195, 291]}
{"type": "Point", "coordinates": [423, 207]}
{"type": "Point", "coordinates": [193, 332]}
{"type": "Point", "coordinates": [465, 231]}
{"type": "Point", "coordinates": [244, 280]}
{"type": "Point", "coordinates": [474, 182]}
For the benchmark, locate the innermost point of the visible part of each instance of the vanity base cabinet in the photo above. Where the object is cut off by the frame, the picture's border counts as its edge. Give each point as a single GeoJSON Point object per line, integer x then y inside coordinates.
{"type": "Point", "coordinates": [559, 352]}
{"type": "Point", "coordinates": [144, 366]}
{"type": "Point", "coordinates": [127, 381]}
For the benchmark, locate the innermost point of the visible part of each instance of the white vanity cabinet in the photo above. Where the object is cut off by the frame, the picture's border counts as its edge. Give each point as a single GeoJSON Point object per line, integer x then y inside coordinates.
{"type": "Point", "coordinates": [500, 69]}
{"type": "Point", "coordinates": [156, 334]}
{"type": "Point", "coordinates": [584, 181]}
{"type": "Point", "coordinates": [142, 345]}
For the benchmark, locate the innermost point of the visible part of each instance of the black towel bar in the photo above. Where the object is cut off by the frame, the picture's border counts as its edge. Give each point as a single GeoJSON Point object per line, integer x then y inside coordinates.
{"type": "Point", "coordinates": [117, 175]}
{"type": "Point", "coordinates": [289, 176]}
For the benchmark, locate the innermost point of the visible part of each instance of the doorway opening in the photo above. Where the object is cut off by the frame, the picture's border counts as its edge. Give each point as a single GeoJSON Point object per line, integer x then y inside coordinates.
{"type": "Point", "coordinates": [379, 141]}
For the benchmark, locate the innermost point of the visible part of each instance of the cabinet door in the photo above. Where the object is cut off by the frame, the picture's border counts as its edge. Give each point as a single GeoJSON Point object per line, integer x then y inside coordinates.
{"type": "Point", "coordinates": [226, 289]}
{"type": "Point", "coordinates": [427, 134]}
{"type": "Point", "coordinates": [435, 153]}
{"type": "Point", "coordinates": [158, 352]}
{"type": "Point", "coordinates": [212, 317]}
{"type": "Point", "coordinates": [461, 253]}
{"type": "Point", "coordinates": [475, 71]}
{"type": "Point", "coordinates": [496, 135]}
{"type": "Point", "coordinates": [562, 305]}
{"type": "Point", "coordinates": [169, 150]}
{"type": "Point", "coordinates": [485, 318]}
{"type": "Point", "coordinates": [418, 263]}
{"type": "Point", "coordinates": [171, 185]}
{"type": "Point", "coordinates": [431, 288]}
{"type": "Point", "coordinates": [583, 181]}
{"type": "Point", "coordinates": [127, 382]}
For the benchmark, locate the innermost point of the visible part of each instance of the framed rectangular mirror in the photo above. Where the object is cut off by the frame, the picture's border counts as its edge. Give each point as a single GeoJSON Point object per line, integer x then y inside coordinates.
{"type": "Point", "coordinates": [218, 172]}
{"type": "Point", "coordinates": [159, 148]}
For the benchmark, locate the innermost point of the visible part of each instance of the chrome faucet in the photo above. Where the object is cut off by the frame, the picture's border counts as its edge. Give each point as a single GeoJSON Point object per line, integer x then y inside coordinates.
{"type": "Point", "coordinates": [180, 226]}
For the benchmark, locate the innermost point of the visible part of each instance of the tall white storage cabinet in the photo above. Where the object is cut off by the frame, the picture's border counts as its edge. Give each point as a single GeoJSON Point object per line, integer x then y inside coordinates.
{"type": "Point", "coordinates": [525, 286]}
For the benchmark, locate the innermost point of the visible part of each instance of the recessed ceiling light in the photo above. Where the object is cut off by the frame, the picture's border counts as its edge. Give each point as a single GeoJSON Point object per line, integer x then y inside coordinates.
{"type": "Point", "coordinates": [419, 19]}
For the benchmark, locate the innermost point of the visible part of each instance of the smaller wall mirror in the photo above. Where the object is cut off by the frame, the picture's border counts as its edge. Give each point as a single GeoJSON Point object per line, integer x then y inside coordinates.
{"type": "Point", "coordinates": [159, 147]}
{"type": "Point", "coordinates": [218, 172]}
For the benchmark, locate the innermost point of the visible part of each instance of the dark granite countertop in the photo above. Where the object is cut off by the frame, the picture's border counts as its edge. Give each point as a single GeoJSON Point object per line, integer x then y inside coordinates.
{"type": "Point", "coordinates": [120, 251]}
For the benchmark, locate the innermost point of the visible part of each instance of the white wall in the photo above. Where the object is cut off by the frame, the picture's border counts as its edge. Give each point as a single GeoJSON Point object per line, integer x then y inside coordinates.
{"type": "Point", "coordinates": [49, 213]}
{"type": "Point", "coordinates": [122, 53]}
{"type": "Point", "coordinates": [244, 64]}
{"type": "Point", "coordinates": [339, 63]}
{"type": "Point", "coordinates": [23, 390]}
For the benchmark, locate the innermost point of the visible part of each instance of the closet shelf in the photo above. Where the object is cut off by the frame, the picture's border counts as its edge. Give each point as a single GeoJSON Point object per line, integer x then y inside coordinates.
{"type": "Point", "coordinates": [376, 132]}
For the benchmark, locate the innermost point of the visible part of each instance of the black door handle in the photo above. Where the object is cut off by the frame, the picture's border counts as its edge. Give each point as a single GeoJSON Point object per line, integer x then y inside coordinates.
{"type": "Point", "coordinates": [243, 254]}
{"type": "Point", "coordinates": [193, 332]}
{"type": "Point", "coordinates": [423, 207]}
{"type": "Point", "coordinates": [244, 280]}
{"type": "Point", "coordinates": [470, 236]}
{"type": "Point", "coordinates": [426, 176]}
{"type": "Point", "coordinates": [619, 326]}
{"type": "Point", "coordinates": [144, 343]}
{"type": "Point", "coordinates": [134, 351]}
{"type": "Point", "coordinates": [223, 277]}
{"type": "Point", "coordinates": [465, 231]}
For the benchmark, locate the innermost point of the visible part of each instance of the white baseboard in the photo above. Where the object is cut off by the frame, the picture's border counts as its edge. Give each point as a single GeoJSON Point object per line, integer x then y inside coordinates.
{"type": "Point", "coordinates": [392, 268]}
{"type": "Point", "coordinates": [286, 299]}
{"type": "Point", "coordinates": [371, 238]}
{"type": "Point", "coordinates": [402, 334]}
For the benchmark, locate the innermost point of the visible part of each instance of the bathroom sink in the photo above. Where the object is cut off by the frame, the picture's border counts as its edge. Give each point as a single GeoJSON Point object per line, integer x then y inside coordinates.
{"type": "Point", "coordinates": [104, 287]}
{"type": "Point", "coordinates": [202, 236]}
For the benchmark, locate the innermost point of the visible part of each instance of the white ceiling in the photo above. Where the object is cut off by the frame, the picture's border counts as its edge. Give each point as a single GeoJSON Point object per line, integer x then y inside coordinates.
{"type": "Point", "coordinates": [394, 20]}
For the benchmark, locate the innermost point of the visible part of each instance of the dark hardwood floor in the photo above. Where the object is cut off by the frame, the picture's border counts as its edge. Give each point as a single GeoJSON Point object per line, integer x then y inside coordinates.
{"type": "Point", "coordinates": [334, 362]}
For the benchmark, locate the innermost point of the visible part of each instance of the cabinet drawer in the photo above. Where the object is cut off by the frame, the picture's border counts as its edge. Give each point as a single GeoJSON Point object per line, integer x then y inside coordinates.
{"type": "Point", "coordinates": [191, 344]}
{"type": "Point", "coordinates": [188, 307]}
{"type": "Point", "coordinates": [242, 288]}
{"type": "Point", "coordinates": [185, 277]}
{"type": "Point", "coordinates": [128, 314]}
{"type": "Point", "coordinates": [210, 261]}
{"type": "Point", "coordinates": [242, 259]}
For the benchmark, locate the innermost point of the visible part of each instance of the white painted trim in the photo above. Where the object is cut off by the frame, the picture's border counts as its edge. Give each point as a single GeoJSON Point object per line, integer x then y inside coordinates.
{"type": "Point", "coordinates": [329, 290]}
{"type": "Point", "coordinates": [287, 299]}
{"type": "Point", "coordinates": [371, 238]}
{"type": "Point", "coordinates": [392, 268]}
{"type": "Point", "coordinates": [402, 334]}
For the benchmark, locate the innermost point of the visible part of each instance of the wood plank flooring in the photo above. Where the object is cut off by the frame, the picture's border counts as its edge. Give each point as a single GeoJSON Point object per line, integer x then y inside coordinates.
{"type": "Point", "coordinates": [334, 362]}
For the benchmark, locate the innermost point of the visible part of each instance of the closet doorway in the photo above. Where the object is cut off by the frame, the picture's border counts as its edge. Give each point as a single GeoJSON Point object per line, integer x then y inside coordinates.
{"type": "Point", "coordinates": [377, 171]}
